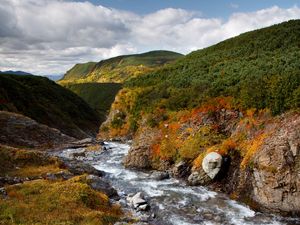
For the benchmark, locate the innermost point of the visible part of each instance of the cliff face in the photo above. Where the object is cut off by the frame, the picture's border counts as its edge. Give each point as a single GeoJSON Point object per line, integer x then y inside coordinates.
{"type": "Point", "coordinates": [276, 170]}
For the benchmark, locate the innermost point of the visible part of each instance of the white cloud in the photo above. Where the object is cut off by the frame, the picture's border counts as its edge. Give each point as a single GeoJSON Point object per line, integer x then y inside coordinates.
{"type": "Point", "coordinates": [49, 36]}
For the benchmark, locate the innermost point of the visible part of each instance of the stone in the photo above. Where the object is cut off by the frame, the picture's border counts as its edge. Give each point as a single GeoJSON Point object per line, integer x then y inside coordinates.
{"type": "Point", "coordinates": [181, 169]}
{"type": "Point", "coordinates": [3, 193]}
{"type": "Point", "coordinates": [157, 175]}
{"type": "Point", "coordinates": [62, 175]}
{"type": "Point", "coordinates": [199, 178]}
{"type": "Point", "coordinates": [211, 164]}
{"type": "Point", "coordinates": [143, 207]}
{"type": "Point", "coordinates": [79, 168]}
{"type": "Point", "coordinates": [98, 184]}
{"type": "Point", "coordinates": [138, 200]}
{"type": "Point", "coordinates": [78, 154]}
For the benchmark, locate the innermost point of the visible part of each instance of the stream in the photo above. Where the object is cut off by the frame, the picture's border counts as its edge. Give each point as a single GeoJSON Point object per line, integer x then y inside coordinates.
{"type": "Point", "coordinates": [171, 201]}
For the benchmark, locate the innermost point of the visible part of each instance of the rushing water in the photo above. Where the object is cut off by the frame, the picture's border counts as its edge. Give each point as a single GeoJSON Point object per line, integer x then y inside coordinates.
{"type": "Point", "coordinates": [172, 201]}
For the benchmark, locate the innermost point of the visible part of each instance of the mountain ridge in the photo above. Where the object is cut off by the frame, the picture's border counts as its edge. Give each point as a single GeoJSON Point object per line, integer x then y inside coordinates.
{"type": "Point", "coordinates": [120, 68]}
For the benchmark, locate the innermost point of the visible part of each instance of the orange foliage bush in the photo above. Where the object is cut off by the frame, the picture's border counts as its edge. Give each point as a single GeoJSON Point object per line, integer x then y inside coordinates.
{"type": "Point", "coordinates": [251, 147]}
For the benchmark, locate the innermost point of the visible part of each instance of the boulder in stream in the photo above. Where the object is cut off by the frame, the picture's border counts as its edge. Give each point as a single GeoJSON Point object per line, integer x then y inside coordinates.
{"type": "Point", "coordinates": [158, 175]}
{"type": "Point", "coordinates": [211, 164]}
{"type": "Point", "coordinates": [98, 184]}
{"type": "Point", "coordinates": [138, 202]}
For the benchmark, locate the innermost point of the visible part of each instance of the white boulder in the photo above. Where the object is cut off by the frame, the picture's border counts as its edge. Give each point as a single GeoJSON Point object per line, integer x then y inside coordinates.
{"type": "Point", "coordinates": [211, 164]}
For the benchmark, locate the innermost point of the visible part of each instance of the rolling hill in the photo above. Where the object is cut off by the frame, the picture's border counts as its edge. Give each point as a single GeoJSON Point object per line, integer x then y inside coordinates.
{"type": "Point", "coordinates": [120, 68]}
{"type": "Point", "coordinates": [78, 71]}
{"type": "Point", "coordinates": [48, 103]}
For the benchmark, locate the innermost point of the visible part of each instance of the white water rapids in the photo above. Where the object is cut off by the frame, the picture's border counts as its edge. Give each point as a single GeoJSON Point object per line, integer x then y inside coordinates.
{"type": "Point", "coordinates": [172, 201]}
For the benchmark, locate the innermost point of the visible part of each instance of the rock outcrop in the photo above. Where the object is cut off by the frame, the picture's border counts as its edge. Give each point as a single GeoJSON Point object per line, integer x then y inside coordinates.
{"type": "Point", "coordinates": [276, 172]}
{"type": "Point", "coordinates": [98, 184]}
{"type": "Point", "coordinates": [139, 155]}
{"type": "Point", "coordinates": [19, 130]}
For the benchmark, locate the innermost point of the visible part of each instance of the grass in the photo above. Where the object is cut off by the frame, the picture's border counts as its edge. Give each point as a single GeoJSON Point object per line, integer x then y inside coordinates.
{"type": "Point", "coordinates": [79, 70]}
{"type": "Point", "coordinates": [62, 202]}
{"type": "Point", "coordinates": [26, 163]}
{"type": "Point", "coordinates": [49, 202]}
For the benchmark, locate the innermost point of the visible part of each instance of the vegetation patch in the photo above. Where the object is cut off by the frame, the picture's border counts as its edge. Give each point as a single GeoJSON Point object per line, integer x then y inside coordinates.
{"type": "Point", "coordinates": [62, 202]}
{"type": "Point", "coordinates": [26, 163]}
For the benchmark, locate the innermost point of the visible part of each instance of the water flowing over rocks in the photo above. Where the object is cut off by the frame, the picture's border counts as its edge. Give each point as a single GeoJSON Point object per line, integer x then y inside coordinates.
{"type": "Point", "coordinates": [167, 201]}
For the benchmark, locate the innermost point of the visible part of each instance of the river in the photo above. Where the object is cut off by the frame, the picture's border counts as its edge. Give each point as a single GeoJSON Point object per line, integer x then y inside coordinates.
{"type": "Point", "coordinates": [173, 202]}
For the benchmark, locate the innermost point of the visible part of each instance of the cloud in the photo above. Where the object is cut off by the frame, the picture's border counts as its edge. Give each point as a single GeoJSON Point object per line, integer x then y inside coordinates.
{"type": "Point", "coordinates": [49, 36]}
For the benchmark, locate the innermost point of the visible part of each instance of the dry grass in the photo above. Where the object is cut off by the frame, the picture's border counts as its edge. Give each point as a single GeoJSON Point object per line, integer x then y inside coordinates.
{"type": "Point", "coordinates": [63, 202]}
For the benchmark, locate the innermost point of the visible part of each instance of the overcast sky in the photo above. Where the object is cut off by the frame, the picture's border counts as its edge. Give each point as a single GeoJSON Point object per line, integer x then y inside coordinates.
{"type": "Point", "coordinates": [50, 36]}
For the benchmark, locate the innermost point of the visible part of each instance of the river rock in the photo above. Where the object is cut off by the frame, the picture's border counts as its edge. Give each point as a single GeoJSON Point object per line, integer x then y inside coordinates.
{"type": "Point", "coordinates": [79, 168]}
{"type": "Point", "coordinates": [181, 169]}
{"type": "Point", "coordinates": [78, 154]}
{"type": "Point", "coordinates": [199, 178]}
{"type": "Point", "coordinates": [211, 164]}
{"type": "Point", "coordinates": [62, 175]}
{"type": "Point", "coordinates": [138, 202]}
{"type": "Point", "coordinates": [3, 193]}
{"type": "Point", "coordinates": [98, 184]}
{"type": "Point", "coordinates": [158, 175]}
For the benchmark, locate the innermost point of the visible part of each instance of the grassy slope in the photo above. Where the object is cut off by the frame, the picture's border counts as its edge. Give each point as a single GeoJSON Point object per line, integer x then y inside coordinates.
{"type": "Point", "coordinates": [259, 69]}
{"type": "Point", "coordinates": [49, 202]}
{"type": "Point", "coordinates": [48, 103]}
{"type": "Point", "coordinates": [79, 70]}
{"type": "Point", "coordinates": [121, 68]}
{"type": "Point", "coordinates": [100, 96]}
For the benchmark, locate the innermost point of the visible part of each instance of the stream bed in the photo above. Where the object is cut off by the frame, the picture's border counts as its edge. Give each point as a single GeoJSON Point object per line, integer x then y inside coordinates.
{"type": "Point", "coordinates": [172, 201]}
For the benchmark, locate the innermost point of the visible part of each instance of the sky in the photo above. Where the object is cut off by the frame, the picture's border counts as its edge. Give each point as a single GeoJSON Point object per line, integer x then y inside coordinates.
{"type": "Point", "coordinates": [48, 37]}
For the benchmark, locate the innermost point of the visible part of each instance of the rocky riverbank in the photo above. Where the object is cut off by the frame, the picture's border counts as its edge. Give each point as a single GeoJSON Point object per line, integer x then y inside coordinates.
{"type": "Point", "coordinates": [266, 177]}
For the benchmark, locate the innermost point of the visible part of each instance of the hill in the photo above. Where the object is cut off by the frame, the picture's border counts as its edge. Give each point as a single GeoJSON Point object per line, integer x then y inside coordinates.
{"type": "Point", "coordinates": [48, 103]}
{"type": "Point", "coordinates": [119, 69]}
{"type": "Point", "coordinates": [99, 96]}
{"type": "Point", "coordinates": [22, 73]}
{"type": "Point", "coordinates": [259, 69]}
{"type": "Point", "coordinates": [78, 71]}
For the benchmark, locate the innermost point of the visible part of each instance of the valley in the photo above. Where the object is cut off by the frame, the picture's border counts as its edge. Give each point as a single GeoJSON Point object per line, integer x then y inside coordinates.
{"type": "Point", "coordinates": [212, 137]}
